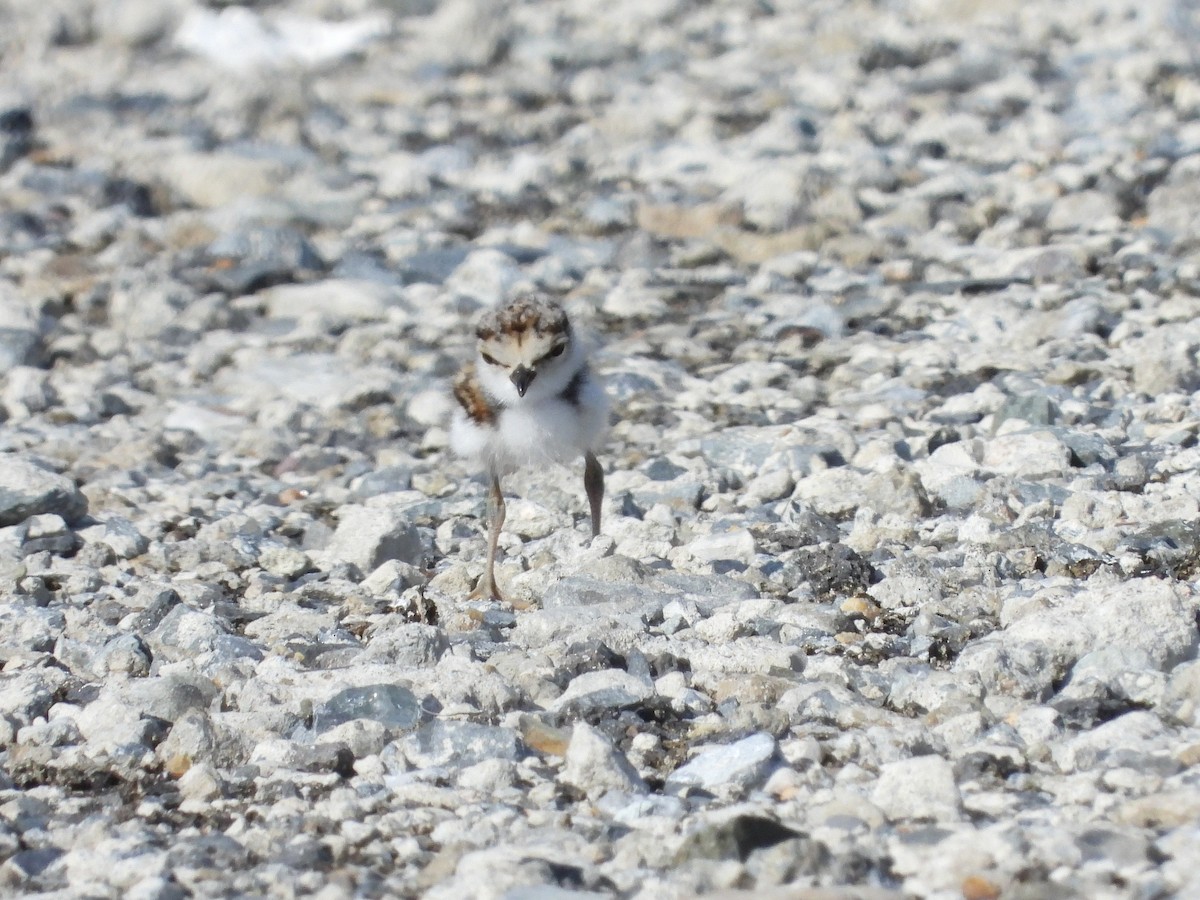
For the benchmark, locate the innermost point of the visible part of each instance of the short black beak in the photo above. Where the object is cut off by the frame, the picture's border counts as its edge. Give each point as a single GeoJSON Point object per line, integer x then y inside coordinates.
{"type": "Point", "coordinates": [522, 378]}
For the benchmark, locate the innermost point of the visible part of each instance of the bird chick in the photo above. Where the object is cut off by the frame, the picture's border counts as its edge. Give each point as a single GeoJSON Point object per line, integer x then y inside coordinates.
{"type": "Point", "coordinates": [527, 399]}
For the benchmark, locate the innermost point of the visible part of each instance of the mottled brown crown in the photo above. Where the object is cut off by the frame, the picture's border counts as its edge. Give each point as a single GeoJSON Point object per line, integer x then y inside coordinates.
{"type": "Point", "coordinates": [523, 315]}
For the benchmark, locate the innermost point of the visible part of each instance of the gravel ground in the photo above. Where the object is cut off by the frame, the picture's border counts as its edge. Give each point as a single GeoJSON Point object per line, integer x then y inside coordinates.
{"type": "Point", "coordinates": [896, 595]}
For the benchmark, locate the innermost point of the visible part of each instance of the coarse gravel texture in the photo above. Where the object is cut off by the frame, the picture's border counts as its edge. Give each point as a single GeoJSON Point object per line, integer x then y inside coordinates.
{"type": "Point", "coordinates": [898, 305]}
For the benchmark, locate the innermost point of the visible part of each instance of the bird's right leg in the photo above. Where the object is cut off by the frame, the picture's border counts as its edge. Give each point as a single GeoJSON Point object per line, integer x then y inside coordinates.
{"type": "Point", "coordinates": [487, 589]}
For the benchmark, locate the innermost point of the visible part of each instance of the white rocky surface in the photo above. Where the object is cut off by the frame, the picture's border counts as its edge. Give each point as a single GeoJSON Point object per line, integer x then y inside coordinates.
{"type": "Point", "coordinates": [899, 309]}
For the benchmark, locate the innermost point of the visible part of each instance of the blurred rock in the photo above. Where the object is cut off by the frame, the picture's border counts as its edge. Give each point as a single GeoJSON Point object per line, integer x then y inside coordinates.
{"type": "Point", "coordinates": [27, 489]}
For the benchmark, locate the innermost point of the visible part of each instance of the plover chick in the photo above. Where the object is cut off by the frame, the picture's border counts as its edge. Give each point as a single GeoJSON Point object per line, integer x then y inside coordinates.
{"type": "Point", "coordinates": [527, 399]}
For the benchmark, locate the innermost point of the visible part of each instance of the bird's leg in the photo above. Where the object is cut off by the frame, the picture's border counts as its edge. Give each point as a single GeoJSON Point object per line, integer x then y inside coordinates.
{"type": "Point", "coordinates": [593, 483]}
{"type": "Point", "coordinates": [487, 589]}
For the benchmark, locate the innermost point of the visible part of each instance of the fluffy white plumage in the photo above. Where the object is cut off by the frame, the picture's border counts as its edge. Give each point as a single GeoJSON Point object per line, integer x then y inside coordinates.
{"type": "Point", "coordinates": [538, 428]}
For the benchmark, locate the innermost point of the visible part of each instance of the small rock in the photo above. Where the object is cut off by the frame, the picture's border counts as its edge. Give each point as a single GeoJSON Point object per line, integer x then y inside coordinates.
{"type": "Point", "coordinates": [390, 704]}
{"type": "Point", "coordinates": [24, 696]}
{"type": "Point", "coordinates": [284, 561]}
{"type": "Point", "coordinates": [16, 135]}
{"type": "Point", "coordinates": [1139, 614]}
{"type": "Point", "coordinates": [605, 689]}
{"type": "Point", "coordinates": [47, 533]}
{"type": "Point", "coordinates": [27, 391]}
{"type": "Point", "coordinates": [220, 177]}
{"type": "Point", "coordinates": [485, 275]}
{"type": "Point", "coordinates": [120, 535]}
{"type": "Point", "coordinates": [1028, 454]}
{"type": "Point", "coordinates": [727, 767]}
{"type": "Point", "coordinates": [242, 262]}
{"type": "Point", "coordinates": [368, 536]}
{"type": "Point", "coordinates": [1108, 681]}
{"type": "Point", "coordinates": [407, 644]}
{"type": "Point", "coordinates": [393, 578]}
{"type": "Point", "coordinates": [200, 783]}
{"type": "Point", "coordinates": [1084, 211]}
{"type": "Point", "coordinates": [189, 631]}
{"type": "Point", "coordinates": [441, 743]}
{"type": "Point", "coordinates": [192, 738]}
{"type": "Point", "coordinates": [125, 655]}
{"type": "Point", "coordinates": [922, 787]}
{"type": "Point", "coordinates": [488, 776]}
{"type": "Point", "coordinates": [27, 489]}
{"type": "Point", "coordinates": [133, 25]}
{"type": "Point", "coordinates": [754, 839]}
{"type": "Point", "coordinates": [595, 767]}
{"type": "Point", "coordinates": [363, 737]}
{"type": "Point", "coordinates": [1181, 699]}
{"type": "Point", "coordinates": [735, 544]}
{"type": "Point", "coordinates": [463, 34]}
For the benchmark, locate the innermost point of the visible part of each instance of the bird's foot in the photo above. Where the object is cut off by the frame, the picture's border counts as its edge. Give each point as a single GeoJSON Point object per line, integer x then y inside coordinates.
{"type": "Point", "coordinates": [487, 589]}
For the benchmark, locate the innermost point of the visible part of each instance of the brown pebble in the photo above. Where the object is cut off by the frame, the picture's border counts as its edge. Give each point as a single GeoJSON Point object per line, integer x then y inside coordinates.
{"type": "Point", "coordinates": [543, 738]}
{"type": "Point", "coordinates": [976, 887]}
{"type": "Point", "coordinates": [862, 606]}
{"type": "Point", "coordinates": [292, 495]}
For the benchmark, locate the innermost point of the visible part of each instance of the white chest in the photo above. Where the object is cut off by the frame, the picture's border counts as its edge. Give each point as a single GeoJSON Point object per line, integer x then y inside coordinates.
{"type": "Point", "coordinates": [530, 434]}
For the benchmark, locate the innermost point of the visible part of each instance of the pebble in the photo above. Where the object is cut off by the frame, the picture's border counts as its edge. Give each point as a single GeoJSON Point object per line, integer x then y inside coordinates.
{"type": "Point", "coordinates": [409, 645]}
{"type": "Point", "coordinates": [734, 767]}
{"type": "Point", "coordinates": [1149, 615]}
{"type": "Point", "coordinates": [369, 536]}
{"type": "Point", "coordinates": [595, 767]}
{"type": "Point", "coordinates": [441, 743]}
{"type": "Point", "coordinates": [119, 534]}
{"type": "Point", "coordinates": [1181, 696]}
{"type": "Point", "coordinates": [921, 788]}
{"type": "Point", "coordinates": [391, 705]}
{"type": "Point", "coordinates": [603, 689]}
{"type": "Point", "coordinates": [28, 489]}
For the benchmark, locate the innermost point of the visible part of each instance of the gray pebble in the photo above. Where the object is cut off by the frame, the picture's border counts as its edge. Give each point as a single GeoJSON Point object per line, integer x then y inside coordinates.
{"type": "Point", "coordinates": [369, 536]}
{"type": "Point", "coordinates": [595, 767]}
{"type": "Point", "coordinates": [734, 767]}
{"type": "Point", "coordinates": [922, 787]}
{"type": "Point", "coordinates": [442, 743]}
{"type": "Point", "coordinates": [28, 489]}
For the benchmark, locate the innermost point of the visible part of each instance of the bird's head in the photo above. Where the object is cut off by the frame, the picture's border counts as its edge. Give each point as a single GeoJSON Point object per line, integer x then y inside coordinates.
{"type": "Point", "coordinates": [524, 341]}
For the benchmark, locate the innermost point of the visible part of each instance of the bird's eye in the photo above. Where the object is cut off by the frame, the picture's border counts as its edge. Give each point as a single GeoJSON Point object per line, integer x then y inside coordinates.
{"type": "Point", "coordinates": [550, 354]}
{"type": "Point", "coordinates": [490, 360]}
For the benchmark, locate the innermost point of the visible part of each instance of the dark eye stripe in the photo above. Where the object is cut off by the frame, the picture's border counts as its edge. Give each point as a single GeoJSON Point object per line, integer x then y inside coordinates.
{"type": "Point", "coordinates": [490, 360]}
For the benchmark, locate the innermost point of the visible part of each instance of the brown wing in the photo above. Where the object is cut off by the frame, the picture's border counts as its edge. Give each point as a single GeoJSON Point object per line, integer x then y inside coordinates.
{"type": "Point", "coordinates": [470, 396]}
